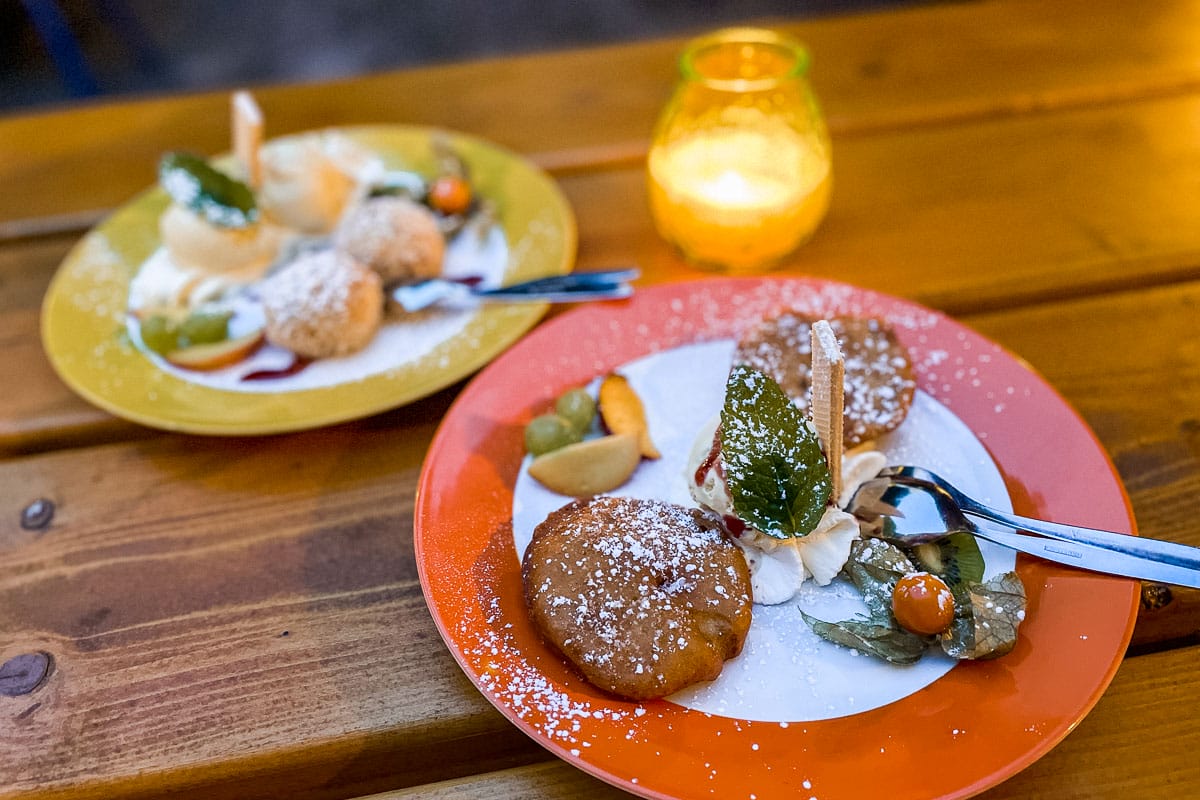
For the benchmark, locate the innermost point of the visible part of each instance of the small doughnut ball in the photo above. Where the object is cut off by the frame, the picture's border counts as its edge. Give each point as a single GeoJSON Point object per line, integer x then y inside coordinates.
{"type": "Point", "coordinates": [644, 597]}
{"type": "Point", "coordinates": [322, 304]}
{"type": "Point", "coordinates": [394, 236]}
{"type": "Point", "coordinates": [194, 243]}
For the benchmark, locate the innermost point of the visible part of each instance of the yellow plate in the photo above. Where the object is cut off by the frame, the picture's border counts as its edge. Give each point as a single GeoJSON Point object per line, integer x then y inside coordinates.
{"type": "Point", "coordinates": [84, 312]}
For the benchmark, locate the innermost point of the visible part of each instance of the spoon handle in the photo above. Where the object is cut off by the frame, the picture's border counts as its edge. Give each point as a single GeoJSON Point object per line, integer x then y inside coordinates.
{"type": "Point", "coordinates": [574, 287]}
{"type": "Point", "coordinates": [573, 283]}
{"type": "Point", "coordinates": [1180, 555]}
{"type": "Point", "coordinates": [1091, 557]}
{"type": "Point", "coordinates": [1172, 553]}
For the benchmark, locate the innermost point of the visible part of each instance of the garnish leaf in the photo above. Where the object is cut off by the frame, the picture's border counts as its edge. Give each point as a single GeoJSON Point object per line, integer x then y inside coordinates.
{"type": "Point", "coordinates": [872, 637]}
{"type": "Point", "coordinates": [777, 475]}
{"type": "Point", "coordinates": [400, 183]}
{"type": "Point", "coordinates": [986, 618]}
{"type": "Point", "coordinates": [874, 567]}
{"type": "Point", "coordinates": [194, 184]}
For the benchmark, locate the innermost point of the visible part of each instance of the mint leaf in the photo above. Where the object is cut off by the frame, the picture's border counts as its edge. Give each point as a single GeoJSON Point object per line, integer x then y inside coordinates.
{"type": "Point", "coordinates": [777, 475]}
{"type": "Point", "coordinates": [194, 184]}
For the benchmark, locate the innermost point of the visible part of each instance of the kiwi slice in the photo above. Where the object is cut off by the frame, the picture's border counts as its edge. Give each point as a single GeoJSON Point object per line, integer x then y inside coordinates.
{"type": "Point", "coordinates": [955, 559]}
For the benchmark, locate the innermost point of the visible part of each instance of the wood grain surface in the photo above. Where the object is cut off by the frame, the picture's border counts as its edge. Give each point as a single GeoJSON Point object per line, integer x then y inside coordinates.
{"type": "Point", "coordinates": [1106, 754]}
{"type": "Point", "coordinates": [907, 68]}
{"type": "Point", "coordinates": [242, 617]}
{"type": "Point", "coordinates": [921, 216]}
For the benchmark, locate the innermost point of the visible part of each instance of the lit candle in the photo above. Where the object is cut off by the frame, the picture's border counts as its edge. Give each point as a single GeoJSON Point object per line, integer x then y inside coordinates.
{"type": "Point", "coordinates": [738, 198]}
{"type": "Point", "coordinates": [739, 173]}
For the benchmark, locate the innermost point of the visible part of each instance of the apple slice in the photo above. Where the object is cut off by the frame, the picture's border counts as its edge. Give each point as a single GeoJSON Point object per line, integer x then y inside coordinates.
{"type": "Point", "coordinates": [589, 467]}
{"type": "Point", "coordinates": [622, 412]}
{"type": "Point", "coordinates": [215, 355]}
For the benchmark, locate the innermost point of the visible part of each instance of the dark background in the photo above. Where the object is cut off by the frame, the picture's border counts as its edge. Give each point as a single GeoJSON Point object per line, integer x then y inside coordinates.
{"type": "Point", "coordinates": [61, 51]}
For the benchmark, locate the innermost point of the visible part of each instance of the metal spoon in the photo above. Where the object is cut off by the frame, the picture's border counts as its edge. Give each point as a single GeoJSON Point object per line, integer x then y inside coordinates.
{"type": "Point", "coordinates": [1156, 549]}
{"type": "Point", "coordinates": [915, 513]}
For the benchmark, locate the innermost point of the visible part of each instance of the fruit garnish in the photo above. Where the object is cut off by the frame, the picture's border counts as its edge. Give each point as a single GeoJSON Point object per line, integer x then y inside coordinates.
{"type": "Point", "coordinates": [986, 618]}
{"type": "Point", "coordinates": [778, 479]}
{"type": "Point", "coordinates": [549, 432]}
{"type": "Point", "coordinates": [194, 184]}
{"type": "Point", "coordinates": [874, 567]}
{"type": "Point", "coordinates": [590, 467]}
{"type": "Point", "coordinates": [923, 604]}
{"type": "Point", "coordinates": [215, 355]}
{"type": "Point", "coordinates": [204, 327]}
{"type": "Point", "coordinates": [622, 412]}
{"type": "Point", "coordinates": [160, 333]}
{"type": "Point", "coordinates": [577, 407]}
{"type": "Point", "coordinates": [875, 638]}
{"type": "Point", "coordinates": [956, 559]}
{"type": "Point", "coordinates": [450, 194]}
{"type": "Point", "coordinates": [167, 331]}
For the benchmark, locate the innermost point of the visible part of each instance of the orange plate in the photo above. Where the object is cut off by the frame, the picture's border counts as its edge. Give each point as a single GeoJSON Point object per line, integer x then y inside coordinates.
{"type": "Point", "coordinates": [979, 724]}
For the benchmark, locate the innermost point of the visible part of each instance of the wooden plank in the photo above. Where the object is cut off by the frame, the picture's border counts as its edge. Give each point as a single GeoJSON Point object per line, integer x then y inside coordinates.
{"type": "Point", "coordinates": [549, 779]}
{"type": "Point", "coordinates": [871, 71]}
{"type": "Point", "coordinates": [1130, 365]}
{"type": "Point", "coordinates": [173, 567]}
{"type": "Point", "coordinates": [42, 412]}
{"type": "Point", "coordinates": [1135, 743]}
{"type": "Point", "coordinates": [1058, 207]}
{"type": "Point", "coordinates": [970, 217]}
{"type": "Point", "coordinates": [218, 611]}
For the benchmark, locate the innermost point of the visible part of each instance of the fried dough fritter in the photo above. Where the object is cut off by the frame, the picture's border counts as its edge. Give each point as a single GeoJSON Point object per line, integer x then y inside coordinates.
{"type": "Point", "coordinates": [879, 382]}
{"type": "Point", "coordinates": [644, 597]}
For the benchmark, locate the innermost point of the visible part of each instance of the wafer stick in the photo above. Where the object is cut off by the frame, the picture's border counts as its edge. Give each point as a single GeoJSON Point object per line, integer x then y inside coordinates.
{"type": "Point", "coordinates": [247, 135]}
{"type": "Point", "coordinates": [828, 397]}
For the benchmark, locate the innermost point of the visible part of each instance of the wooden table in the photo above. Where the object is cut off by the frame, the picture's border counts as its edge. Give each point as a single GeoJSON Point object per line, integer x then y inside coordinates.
{"type": "Point", "coordinates": [242, 617]}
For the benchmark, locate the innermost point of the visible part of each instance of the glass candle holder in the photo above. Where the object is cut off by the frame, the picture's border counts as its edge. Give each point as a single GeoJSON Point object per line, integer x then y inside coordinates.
{"type": "Point", "coordinates": [739, 167]}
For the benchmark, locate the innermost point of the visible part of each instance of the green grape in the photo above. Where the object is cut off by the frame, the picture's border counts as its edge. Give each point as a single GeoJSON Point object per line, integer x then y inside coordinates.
{"type": "Point", "coordinates": [160, 334]}
{"type": "Point", "coordinates": [204, 327]}
{"type": "Point", "coordinates": [549, 432]}
{"type": "Point", "coordinates": [577, 407]}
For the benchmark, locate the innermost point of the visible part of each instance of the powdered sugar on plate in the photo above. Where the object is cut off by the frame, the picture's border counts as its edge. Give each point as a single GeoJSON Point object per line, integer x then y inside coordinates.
{"type": "Point", "coordinates": [785, 672]}
{"type": "Point", "coordinates": [468, 555]}
{"type": "Point", "coordinates": [402, 338]}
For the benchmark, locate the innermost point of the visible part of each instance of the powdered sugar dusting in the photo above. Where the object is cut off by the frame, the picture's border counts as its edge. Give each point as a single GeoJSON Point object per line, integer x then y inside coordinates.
{"type": "Point", "coordinates": [547, 702]}
{"type": "Point", "coordinates": [631, 591]}
{"type": "Point", "coordinates": [402, 340]}
{"type": "Point", "coordinates": [681, 389]}
{"type": "Point", "coordinates": [623, 742]}
{"type": "Point", "coordinates": [878, 375]}
{"type": "Point", "coordinates": [103, 274]}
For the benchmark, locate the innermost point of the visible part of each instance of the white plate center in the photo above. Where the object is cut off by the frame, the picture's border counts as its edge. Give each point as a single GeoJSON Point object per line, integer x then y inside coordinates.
{"type": "Point", "coordinates": [785, 673]}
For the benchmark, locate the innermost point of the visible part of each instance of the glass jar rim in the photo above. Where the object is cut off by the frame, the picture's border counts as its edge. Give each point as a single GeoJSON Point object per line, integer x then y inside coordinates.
{"type": "Point", "coordinates": [746, 36]}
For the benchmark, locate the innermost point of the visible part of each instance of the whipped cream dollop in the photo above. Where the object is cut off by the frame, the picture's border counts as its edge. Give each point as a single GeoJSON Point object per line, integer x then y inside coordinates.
{"type": "Point", "coordinates": [778, 567]}
{"type": "Point", "coordinates": [309, 181]}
